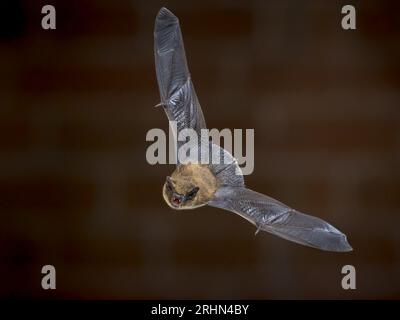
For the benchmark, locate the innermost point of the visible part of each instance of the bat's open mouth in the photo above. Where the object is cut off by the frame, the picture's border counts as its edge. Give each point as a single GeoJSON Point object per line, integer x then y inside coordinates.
{"type": "Point", "coordinates": [176, 201]}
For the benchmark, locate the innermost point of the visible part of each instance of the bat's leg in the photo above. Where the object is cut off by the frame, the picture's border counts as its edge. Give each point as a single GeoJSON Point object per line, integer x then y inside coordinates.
{"type": "Point", "coordinates": [258, 229]}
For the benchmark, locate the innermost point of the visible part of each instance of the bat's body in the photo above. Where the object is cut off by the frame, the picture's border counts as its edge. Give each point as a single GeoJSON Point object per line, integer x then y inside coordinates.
{"type": "Point", "coordinates": [184, 179]}
{"type": "Point", "coordinates": [220, 184]}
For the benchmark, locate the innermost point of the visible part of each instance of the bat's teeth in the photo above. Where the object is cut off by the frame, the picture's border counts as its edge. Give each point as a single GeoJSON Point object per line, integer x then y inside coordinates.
{"type": "Point", "coordinates": [176, 200]}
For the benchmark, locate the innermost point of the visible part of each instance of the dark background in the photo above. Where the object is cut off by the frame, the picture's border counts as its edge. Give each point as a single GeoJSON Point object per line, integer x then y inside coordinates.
{"type": "Point", "coordinates": [76, 190]}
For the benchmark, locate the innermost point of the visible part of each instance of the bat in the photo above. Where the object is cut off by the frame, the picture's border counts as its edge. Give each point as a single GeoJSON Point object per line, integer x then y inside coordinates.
{"type": "Point", "coordinates": [221, 185]}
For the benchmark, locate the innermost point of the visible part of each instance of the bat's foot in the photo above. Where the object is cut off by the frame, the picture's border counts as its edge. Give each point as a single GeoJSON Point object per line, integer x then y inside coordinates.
{"type": "Point", "coordinates": [258, 230]}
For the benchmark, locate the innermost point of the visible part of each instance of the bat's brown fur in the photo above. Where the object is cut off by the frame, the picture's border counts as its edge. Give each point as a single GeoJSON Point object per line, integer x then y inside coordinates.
{"type": "Point", "coordinates": [187, 177]}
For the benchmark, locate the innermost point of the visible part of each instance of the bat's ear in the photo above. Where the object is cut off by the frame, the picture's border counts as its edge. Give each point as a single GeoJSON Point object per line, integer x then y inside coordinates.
{"type": "Point", "coordinates": [195, 189]}
{"type": "Point", "coordinates": [169, 185]}
{"type": "Point", "coordinates": [191, 194]}
{"type": "Point", "coordinates": [169, 182]}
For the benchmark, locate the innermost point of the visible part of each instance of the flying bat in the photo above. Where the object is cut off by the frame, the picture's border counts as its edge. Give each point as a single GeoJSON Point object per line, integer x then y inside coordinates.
{"type": "Point", "coordinates": [221, 184]}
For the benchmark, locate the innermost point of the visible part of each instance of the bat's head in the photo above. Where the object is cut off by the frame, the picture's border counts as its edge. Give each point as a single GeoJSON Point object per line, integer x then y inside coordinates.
{"type": "Point", "coordinates": [180, 195]}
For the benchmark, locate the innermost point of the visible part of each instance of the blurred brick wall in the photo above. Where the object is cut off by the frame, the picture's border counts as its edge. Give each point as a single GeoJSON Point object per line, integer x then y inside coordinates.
{"type": "Point", "coordinates": [76, 191]}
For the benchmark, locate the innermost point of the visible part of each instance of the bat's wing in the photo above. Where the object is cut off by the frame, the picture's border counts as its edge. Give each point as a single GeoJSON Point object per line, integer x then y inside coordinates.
{"type": "Point", "coordinates": [178, 96]}
{"type": "Point", "coordinates": [225, 167]}
{"type": "Point", "coordinates": [273, 216]}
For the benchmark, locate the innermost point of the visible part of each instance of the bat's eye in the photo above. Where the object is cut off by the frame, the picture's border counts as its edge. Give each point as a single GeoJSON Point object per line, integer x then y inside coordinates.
{"type": "Point", "coordinates": [176, 200]}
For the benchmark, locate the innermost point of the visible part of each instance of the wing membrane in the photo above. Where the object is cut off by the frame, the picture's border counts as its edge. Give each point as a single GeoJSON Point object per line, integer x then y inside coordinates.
{"type": "Point", "coordinates": [178, 96]}
{"type": "Point", "coordinates": [273, 216]}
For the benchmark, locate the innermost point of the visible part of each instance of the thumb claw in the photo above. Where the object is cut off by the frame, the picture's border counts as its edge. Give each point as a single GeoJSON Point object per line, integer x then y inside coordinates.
{"type": "Point", "coordinates": [159, 105]}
